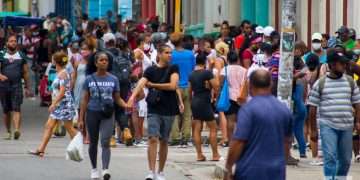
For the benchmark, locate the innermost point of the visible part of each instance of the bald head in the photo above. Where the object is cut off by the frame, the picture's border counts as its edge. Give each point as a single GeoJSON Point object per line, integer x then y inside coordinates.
{"type": "Point", "coordinates": [260, 79]}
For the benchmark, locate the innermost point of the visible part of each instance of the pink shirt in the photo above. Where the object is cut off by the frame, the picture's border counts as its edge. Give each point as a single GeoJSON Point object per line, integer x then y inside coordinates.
{"type": "Point", "coordinates": [236, 76]}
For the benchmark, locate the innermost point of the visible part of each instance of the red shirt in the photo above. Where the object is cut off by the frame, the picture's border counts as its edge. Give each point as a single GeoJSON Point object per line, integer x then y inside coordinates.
{"type": "Point", "coordinates": [239, 41]}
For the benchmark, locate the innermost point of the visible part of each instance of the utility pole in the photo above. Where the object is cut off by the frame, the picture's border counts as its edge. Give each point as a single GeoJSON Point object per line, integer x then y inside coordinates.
{"type": "Point", "coordinates": [286, 64]}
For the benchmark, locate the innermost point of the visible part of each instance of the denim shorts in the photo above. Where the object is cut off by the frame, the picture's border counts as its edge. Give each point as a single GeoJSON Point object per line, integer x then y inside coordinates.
{"type": "Point", "coordinates": [160, 126]}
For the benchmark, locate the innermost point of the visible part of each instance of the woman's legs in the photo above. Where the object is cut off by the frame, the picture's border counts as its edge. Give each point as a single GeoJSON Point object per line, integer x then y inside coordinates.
{"type": "Point", "coordinates": [136, 123]}
{"type": "Point", "coordinates": [106, 126]}
{"type": "Point", "coordinates": [231, 122]}
{"type": "Point", "coordinates": [197, 139]}
{"type": "Point", "coordinates": [223, 127]}
{"type": "Point", "coordinates": [212, 137]}
{"type": "Point", "coordinates": [93, 126]}
{"type": "Point", "coordinates": [49, 126]}
{"type": "Point", "coordinates": [70, 128]}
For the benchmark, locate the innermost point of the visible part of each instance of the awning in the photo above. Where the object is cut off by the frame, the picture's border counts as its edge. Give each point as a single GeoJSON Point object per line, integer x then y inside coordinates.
{"type": "Point", "coordinates": [18, 13]}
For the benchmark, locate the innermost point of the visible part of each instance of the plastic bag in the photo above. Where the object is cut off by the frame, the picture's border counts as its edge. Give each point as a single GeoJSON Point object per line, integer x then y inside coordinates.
{"type": "Point", "coordinates": [75, 150]}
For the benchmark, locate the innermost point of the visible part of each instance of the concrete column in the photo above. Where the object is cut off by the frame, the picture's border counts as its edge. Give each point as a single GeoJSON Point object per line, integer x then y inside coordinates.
{"type": "Point", "coordinates": [193, 12]}
{"type": "Point", "coordinates": [200, 12]}
{"type": "Point", "coordinates": [353, 21]}
{"type": "Point", "coordinates": [336, 15]}
{"type": "Point", "coordinates": [159, 9]}
{"type": "Point", "coordinates": [208, 11]}
{"type": "Point", "coordinates": [234, 12]}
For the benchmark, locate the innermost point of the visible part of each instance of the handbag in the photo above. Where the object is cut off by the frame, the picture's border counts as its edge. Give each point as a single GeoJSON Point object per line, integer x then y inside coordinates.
{"type": "Point", "coordinates": [107, 108]}
{"type": "Point", "coordinates": [154, 95]}
{"type": "Point", "coordinates": [223, 102]}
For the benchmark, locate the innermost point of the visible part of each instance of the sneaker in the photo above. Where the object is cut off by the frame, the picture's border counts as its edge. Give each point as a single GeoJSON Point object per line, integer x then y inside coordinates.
{"type": "Point", "coordinates": [17, 134]}
{"type": "Point", "coordinates": [95, 174]}
{"type": "Point", "coordinates": [151, 176]}
{"type": "Point", "coordinates": [106, 174]}
{"type": "Point", "coordinates": [317, 162]}
{"type": "Point", "coordinates": [140, 144]}
{"type": "Point", "coordinates": [292, 161]}
{"type": "Point", "coordinates": [303, 156]}
{"type": "Point", "coordinates": [160, 176]}
{"type": "Point", "coordinates": [184, 144]}
{"type": "Point", "coordinates": [7, 136]}
{"type": "Point", "coordinates": [113, 142]}
{"type": "Point", "coordinates": [357, 159]}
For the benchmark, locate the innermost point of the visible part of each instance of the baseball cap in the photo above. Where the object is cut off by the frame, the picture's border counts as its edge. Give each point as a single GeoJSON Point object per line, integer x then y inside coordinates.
{"type": "Point", "coordinates": [342, 30]}
{"type": "Point", "coordinates": [268, 30]}
{"type": "Point", "coordinates": [108, 37]}
{"type": "Point", "coordinates": [351, 55]}
{"type": "Point", "coordinates": [259, 30]}
{"type": "Point", "coordinates": [334, 56]}
{"type": "Point", "coordinates": [316, 36]}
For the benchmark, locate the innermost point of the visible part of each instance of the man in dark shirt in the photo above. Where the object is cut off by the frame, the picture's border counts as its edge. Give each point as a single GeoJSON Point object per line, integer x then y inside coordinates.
{"type": "Point", "coordinates": [162, 81]}
{"type": "Point", "coordinates": [13, 68]}
{"type": "Point", "coordinates": [263, 132]}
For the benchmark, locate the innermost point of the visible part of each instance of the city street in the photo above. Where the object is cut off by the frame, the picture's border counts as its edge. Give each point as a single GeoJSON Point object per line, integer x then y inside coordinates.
{"type": "Point", "coordinates": [127, 163]}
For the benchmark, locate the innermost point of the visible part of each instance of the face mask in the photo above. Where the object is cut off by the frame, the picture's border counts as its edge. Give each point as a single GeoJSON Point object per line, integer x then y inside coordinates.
{"type": "Point", "coordinates": [357, 51]}
{"type": "Point", "coordinates": [316, 46]}
{"type": "Point", "coordinates": [147, 47]}
{"type": "Point", "coordinates": [338, 74]}
{"type": "Point", "coordinates": [84, 53]}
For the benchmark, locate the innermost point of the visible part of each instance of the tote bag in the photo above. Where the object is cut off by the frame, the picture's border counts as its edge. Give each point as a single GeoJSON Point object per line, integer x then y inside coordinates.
{"type": "Point", "coordinates": [223, 102]}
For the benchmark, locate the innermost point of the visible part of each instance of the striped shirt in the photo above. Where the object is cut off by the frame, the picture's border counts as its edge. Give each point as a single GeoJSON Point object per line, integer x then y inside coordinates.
{"type": "Point", "coordinates": [274, 65]}
{"type": "Point", "coordinates": [335, 102]}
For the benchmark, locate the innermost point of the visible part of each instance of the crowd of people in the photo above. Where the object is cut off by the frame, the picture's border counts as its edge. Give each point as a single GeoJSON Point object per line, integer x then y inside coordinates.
{"type": "Point", "coordinates": [104, 71]}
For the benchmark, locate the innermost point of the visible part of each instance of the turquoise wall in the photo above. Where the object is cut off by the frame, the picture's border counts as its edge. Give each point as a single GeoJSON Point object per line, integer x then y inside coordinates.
{"type": "Point", "coordinates": [256, 11]}
{"type": "Point", "coordinates": [98, 8]}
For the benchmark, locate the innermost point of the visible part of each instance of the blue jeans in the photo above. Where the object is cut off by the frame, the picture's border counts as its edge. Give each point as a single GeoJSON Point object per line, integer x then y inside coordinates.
{"type": "Point", "coordinates": [337, 151]}
{"type": "Point", "coordinates": [299, 117]}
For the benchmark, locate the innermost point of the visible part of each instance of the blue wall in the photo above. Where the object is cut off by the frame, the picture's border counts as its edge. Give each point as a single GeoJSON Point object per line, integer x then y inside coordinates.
{"type": "Point", "coordinates": [98, 8]}
{"type": "Point", "coordinates": [125, 9]}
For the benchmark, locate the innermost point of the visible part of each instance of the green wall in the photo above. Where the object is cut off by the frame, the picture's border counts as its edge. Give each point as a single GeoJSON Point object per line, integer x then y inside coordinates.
{"type": "Point", "coordinates": [256, 11]}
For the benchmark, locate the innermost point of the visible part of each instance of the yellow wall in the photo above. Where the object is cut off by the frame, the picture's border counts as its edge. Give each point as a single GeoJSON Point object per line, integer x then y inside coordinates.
{"type": "Point", "coordinates": [22, 5]}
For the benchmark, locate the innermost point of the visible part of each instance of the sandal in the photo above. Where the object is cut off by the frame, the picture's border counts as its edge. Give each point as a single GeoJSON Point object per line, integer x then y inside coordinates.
{"type": "Point", "coordinates": [36, 153]}
{"type": "Point", "coordinates": [202, 159]}
{"type": "Point", "coordinates": [218, 159]}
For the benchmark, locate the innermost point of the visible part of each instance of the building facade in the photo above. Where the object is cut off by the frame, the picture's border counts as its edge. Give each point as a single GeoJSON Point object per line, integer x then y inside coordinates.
{"type": "Point", "coordinates": [324, 16]}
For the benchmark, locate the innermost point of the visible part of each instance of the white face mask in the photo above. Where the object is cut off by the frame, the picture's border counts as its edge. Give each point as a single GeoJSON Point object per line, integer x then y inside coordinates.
{"type": "Point", "coordinates": [147, 47]}
{"type": "Point", "coordinates": [316, 46]}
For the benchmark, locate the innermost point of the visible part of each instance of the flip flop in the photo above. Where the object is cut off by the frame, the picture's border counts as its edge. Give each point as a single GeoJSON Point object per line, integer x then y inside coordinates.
{"type": "Point", "coordinates": [216, 160]}
{"type": "Point", "coordinates": [202, 159]}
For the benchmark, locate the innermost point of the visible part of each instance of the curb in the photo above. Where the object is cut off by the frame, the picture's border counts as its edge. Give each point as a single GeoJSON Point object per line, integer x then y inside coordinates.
{"type": "Point", "coordinates": [219, 170]}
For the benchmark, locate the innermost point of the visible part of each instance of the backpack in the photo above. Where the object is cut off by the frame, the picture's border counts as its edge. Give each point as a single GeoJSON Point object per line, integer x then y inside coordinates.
{"type": "Point", "coordinates": [348, 78]}
{"type": "Point", "coordinates": [121, 67]}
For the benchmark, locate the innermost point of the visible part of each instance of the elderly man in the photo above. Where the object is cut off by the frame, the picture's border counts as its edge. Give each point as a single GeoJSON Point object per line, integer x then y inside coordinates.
{"type": "Point", "coordinates": [262, 135]}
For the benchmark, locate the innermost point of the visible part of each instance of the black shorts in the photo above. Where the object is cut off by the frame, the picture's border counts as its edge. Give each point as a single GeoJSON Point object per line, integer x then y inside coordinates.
{"type": "Point", "coordinates": [11, 100]}
{"type": "Point", "coordinates": [234, 108]}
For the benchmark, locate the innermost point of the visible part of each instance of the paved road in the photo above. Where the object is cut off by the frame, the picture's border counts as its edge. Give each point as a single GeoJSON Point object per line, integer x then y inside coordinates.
{"type": "Point", "coordinates": [127, 163]}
